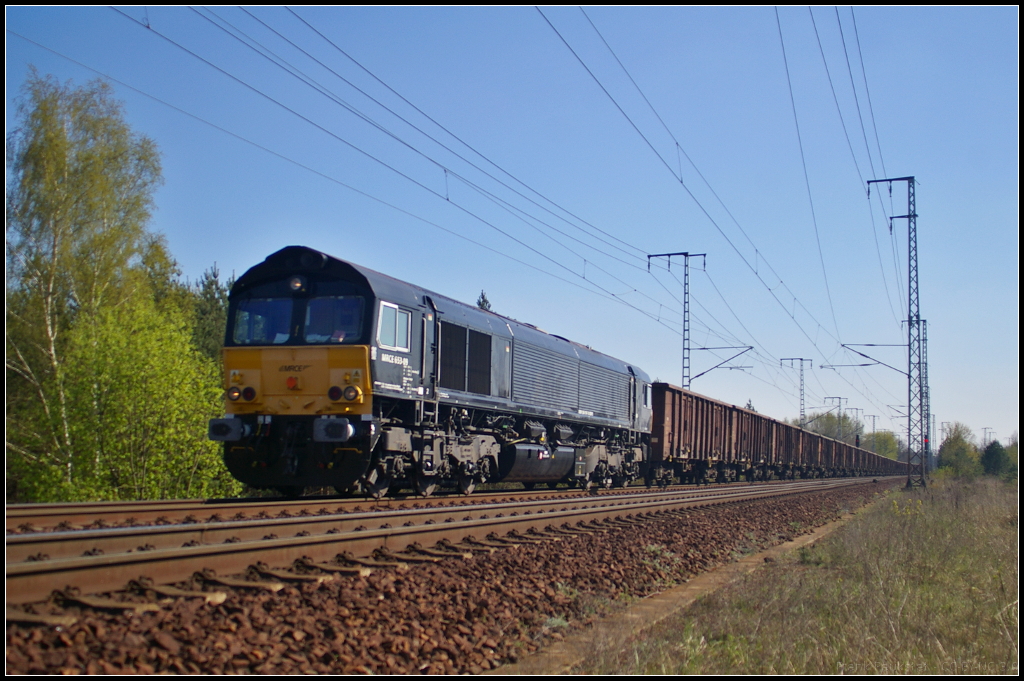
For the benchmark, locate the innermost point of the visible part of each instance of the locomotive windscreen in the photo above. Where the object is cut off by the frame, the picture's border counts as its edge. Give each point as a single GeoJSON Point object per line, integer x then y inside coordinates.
{"type": "Point", "coordinates": [321, 313]}
{"type": "Point", "coordinates": [334, 319]}
{"type": "Point", "coordinates": [262, 321]}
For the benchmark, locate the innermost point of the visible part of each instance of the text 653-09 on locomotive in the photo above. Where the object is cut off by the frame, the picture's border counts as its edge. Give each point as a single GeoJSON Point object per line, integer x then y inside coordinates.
{"type": "Point", "coordinates": [339, 376]}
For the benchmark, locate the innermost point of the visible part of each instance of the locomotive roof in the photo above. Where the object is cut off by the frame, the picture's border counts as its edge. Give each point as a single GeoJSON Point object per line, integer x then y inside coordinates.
{"type": "Point", "coordinates": [304, 260]}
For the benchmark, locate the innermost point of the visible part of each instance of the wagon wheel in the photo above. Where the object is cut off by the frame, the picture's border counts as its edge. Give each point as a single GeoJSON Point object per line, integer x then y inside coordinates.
{"type": "Point", "coordinates": [425, 486]}
{"type": "Point", "coordinates": [467, 483]}
{"type": "Point", "coordinates": [377, 482]}
{"type": "Point", "coordinates": [529, 486]}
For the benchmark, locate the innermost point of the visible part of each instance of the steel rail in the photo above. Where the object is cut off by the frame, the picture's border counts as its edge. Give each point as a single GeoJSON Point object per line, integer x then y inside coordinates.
{"type": "Point", "coordinates": [34, 581]}
{"type": "Point", "coordinates": [46, 517]}
{"type": "Point", "coordinates": [43, 517]}
{"type": "Point", "coordinates": [76, 543]}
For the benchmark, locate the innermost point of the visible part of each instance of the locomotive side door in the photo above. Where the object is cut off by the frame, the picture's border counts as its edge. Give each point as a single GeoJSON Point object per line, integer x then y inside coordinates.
{"type": "Point", "coordinates": [429, 350]}
{"type": "Point", "coordinates": [632, 399]}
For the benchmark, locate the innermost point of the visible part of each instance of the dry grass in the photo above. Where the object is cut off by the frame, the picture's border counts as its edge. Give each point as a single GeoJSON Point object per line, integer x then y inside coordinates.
{"type": "Point", "coordinates": [923, 582]}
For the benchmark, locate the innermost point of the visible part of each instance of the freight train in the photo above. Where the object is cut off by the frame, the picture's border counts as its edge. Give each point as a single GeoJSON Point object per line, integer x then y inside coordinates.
{"type": "Point", "coordinates": [339, 376]}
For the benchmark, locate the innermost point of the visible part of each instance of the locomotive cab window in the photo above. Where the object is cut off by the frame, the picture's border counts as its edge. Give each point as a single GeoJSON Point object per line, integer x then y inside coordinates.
{"type": "Point", "coordinates": [393, 328]}
{"type": "Point", "coordinates": [262, 321]}
{"type": "Point", "coordinates": [334, 319]}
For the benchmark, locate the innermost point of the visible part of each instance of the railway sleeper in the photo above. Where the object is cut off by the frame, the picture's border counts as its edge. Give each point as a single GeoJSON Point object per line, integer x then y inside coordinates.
{"type": "Point", "coordinates": [71, 595]}
{"type": "Point", "coordinates": [146, 587]}
{"type": "Point", "coordinates": [407, 556]}
{"type": "Point", "coordinates": [440, 553]}
{"type": "Point", "coordinates": [473, 547]}
{"type": "Point", "coordinates": [486, 543]}
{"type": "Point", "coordinates": [545, 534]}
{"type": "Point", "coordinates": [267, 571]}
{"type": "Point", "coordinates": [23, 617]}
{"type": "Point", "coordinates": [237, 583]}
{"type": "Point", "coordinates": [378, 561]}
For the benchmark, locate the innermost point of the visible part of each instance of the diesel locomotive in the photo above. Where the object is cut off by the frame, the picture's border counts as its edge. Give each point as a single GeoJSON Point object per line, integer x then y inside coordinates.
{"type": "Point", "coordinates": [336, 375]}
{"type": "Point", "coordinates": [340, 376]}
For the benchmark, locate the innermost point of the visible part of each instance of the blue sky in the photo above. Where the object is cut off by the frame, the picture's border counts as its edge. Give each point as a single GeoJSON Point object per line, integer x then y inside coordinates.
{"type": "Point", "coordinates": [534, 182]}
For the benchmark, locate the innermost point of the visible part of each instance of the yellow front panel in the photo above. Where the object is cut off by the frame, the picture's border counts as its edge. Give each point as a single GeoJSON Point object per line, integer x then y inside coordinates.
{"type": "Point", "coordinates": [295, 380]}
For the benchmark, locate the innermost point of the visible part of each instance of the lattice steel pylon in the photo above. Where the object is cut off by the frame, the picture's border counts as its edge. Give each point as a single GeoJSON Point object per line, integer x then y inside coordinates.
{"type": "Point", "coordinates": [918, 415]}
{"type": "Point", "coordinates": [926, 402]}
{"type": "Point", "coordinates": [686, 305]}
{"type": "Point", "coordinates": [803, 418]}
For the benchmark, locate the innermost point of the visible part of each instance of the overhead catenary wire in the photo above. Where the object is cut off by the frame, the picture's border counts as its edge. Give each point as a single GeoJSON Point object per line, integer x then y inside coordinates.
{"type": "Point", "coordinates": [601, 293]}
{"type": "Point", "coordinates": [393, 169]}
{"type": "Point", "coordinates": [295, 72]}
{"type": "Point", "coordinates": [514, 210]}
{"type": "Point", "coordinates": [639, 252]}
{"type": "Point", "coordinates": [703, 209]}
{"type": "Point", "coordinates": [753, 269]}
{"type": "Point", "coordinates": [711, 320]}
{"type": "Point", "coordinates": [849, 144]}
{"type": "Point", "coordinates": [807, 178]}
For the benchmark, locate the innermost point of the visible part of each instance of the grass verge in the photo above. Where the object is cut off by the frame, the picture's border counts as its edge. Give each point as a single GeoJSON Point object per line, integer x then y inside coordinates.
{"type": "Point", "coordinates": [924, 581]}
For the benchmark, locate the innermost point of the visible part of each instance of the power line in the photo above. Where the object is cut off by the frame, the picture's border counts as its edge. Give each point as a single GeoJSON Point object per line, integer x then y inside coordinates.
{"type": "Point", "coordinates": [392, 168]}
{"type": "Point", "coordinates": [601, 293]}
{"type": "Point", "coordinates": [704, 210]}
{"type": "Point", "coordinates": [835, 98]}
{"type": "Point", "coordinates": [297, 73]}
{"type": "Point", "coordinates": [513, 210]}
{"type": "Point", "coordinates": [807, 178]}
{"type": "Point", "coordinates": [867, 147]}
{"type": "Point", "coordinates": [466, 144]}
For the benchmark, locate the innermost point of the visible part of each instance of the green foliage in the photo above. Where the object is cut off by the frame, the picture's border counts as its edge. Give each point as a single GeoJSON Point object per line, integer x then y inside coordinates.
{"type": "Point", "coordinates": [106, 395]}
{"type": "Point", "coordinates": [482, 302]}
{"type": "Point", "coordinates": [884, 443]}
{"type": "Point", "coordinates": [838, 427]}
{"type": "Point", "coordinates": [1011, 449]}
{"type": "Point", "coordinates": [139, 397]}
{"type": "Point", "coordinates": [80, 191]}
{"type": "Point", "coordinates": [958, 452]}
{"type": "Point", "coordinates": [995, 460]}
{"type": "Point", "coordinates": [210, 313]}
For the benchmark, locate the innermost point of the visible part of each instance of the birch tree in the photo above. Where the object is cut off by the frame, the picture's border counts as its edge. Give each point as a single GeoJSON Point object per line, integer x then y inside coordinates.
{"type": "Point", "coordinates": [79, 194]}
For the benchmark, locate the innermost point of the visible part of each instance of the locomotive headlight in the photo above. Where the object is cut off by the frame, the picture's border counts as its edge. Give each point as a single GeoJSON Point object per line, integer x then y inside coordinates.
{"type": "Point", "coordinates": [352, 393]}
{"type": "Point", "coordinates": [234, 392]}
{"type": "Point", "coordinates": [297, 284]}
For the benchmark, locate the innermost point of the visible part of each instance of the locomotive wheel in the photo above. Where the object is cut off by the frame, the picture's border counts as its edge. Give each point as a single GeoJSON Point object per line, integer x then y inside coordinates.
{"type": "Point", "coordinates": [529, 486]}
{"type": "Point", "coordinates": [377, 482]}
{"type": "Point", "coordinates": [467, 484]}
{"type": "Point", "coordinates": [425, 486]}
{"type": "Point", "coordinates": [290, 491]}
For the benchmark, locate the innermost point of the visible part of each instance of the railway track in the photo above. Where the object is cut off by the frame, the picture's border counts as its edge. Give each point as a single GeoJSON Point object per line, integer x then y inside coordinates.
{"type": "Point", "coordinates": [101, 560]}
{"type": "Point", "coordinates": [29, 518]}
{"type": "Point", "coordinates": [464, 607]}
